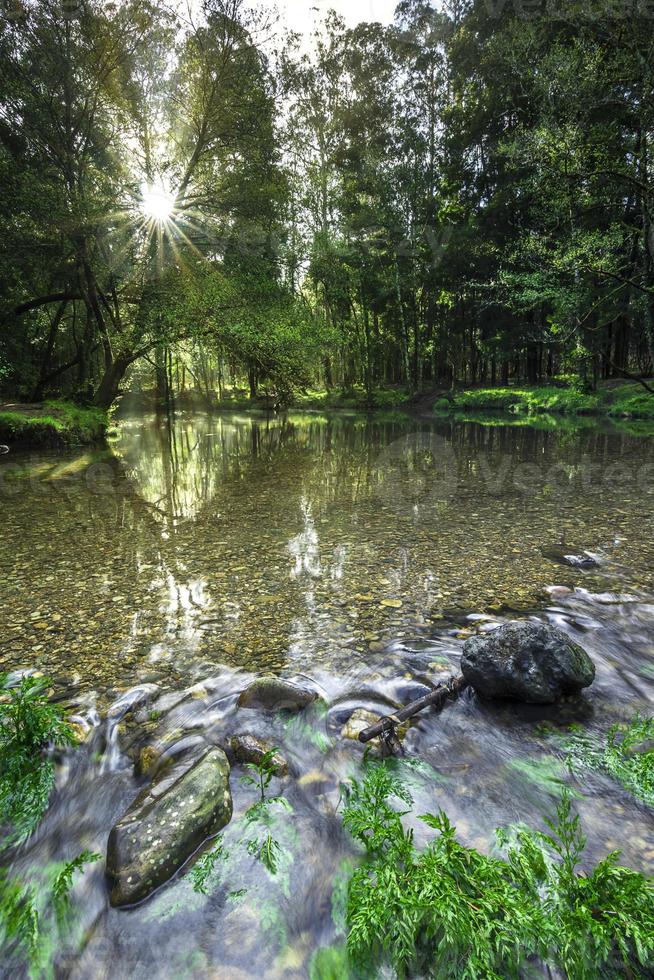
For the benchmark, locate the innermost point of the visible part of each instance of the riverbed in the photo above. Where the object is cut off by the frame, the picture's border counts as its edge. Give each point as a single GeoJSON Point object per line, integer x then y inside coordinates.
{"type": "Point", "coordinates": [354, 555]}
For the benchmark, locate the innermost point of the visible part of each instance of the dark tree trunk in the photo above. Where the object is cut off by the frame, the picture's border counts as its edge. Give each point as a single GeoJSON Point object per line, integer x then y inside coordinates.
{"type": "Point", "coordinates": [108, 388]}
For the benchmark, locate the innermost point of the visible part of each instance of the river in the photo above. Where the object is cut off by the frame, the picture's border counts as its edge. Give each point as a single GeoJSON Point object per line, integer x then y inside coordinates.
{"type": "Point", "coordinates": [354, 555]}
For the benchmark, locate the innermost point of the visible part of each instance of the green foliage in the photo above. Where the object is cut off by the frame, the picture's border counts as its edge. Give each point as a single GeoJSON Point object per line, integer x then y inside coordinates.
{"type": "Point", "coordinates": [56, 424]}
{"type": "Point", "coordinates": [330, 963]}
{"type": "Point", "coordinates": [628, 401]}
{"type": "Point", "coordinates": [450, 911]}
{"type": "Point", "coordinates": [528, 401]}
{"type": "Point", "coordinates": [62, 882]}
{"type": "Point", "coordinates": [261, 815]}
{"type": "Point", "coordinates": [263, 772]}
{"type": "Point", "coordinates": [546, 773]}
{"type": "Point", "coordinates": [599, 924]}
{"type": "Point", "coordinates": [626, 754]}
{"type": "Point", "coordinates": [204, 866]}
{"type": "Point", "coordinates": [28, 725]}
{"type": "Point", "coordinates": [33, 917]}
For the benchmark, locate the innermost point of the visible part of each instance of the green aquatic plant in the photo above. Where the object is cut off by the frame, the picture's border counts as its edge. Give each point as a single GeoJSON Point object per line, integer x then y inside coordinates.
{"type": "Point", "coordinates": [599, 924]}
{"type": "Point", "coordinates": [260, 815]}
{"type": "Point", "coordinates": [34, 916]}
{"type": "Point", "coordinates": [450, 911]}
{"type": "Point", "coordinates": [626, 753]}
{"type": "Point", "coordinates": [205, 866]}
{"type": "Point", "coordinates": [29, 725]}
{"type": "Point", "coordinates": [544, 773]}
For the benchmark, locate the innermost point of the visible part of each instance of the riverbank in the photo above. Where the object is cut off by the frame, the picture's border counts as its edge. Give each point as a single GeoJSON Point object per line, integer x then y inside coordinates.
{"type": "Point", "coordinates": [627, 401]}
{"type": "Point", "coordinates": [51, 424]}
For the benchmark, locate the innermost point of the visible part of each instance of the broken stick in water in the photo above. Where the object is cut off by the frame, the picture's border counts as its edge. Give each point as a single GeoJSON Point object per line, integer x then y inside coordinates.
{"type": "Point", "coordinates": [386, 727]}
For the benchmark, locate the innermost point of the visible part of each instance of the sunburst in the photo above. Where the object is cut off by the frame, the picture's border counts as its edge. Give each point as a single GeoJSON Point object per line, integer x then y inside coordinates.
{"type": "Point", "coordinates": [157, 204]}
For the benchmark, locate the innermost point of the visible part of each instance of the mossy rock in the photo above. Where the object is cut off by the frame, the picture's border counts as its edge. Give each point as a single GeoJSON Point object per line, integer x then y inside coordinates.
{"type": "Point", "coordinates": [167, 822]}
{"type": "Point", "coordinates": [273, 694]}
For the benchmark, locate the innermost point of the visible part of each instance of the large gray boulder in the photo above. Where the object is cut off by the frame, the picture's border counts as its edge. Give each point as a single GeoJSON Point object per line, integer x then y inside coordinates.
{"type": "Point", "coordinates": [526, 662]}
{"type": "Point", "coordinates": [273, 694]}
{"type": "Point", "coordinates": [167, 822]}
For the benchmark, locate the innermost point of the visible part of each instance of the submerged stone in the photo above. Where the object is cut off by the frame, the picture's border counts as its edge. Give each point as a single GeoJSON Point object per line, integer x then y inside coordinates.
{"type": "Point", "coordinates": [273, 694]}
{"type": "Point", "coordinates": [359, 720]}
{"type": "Point", "coordinates": [527, 662]}
{"type": "Point", "coordinates": [250, 749]}
{"type": "Point", "coordinates": [184, 805]}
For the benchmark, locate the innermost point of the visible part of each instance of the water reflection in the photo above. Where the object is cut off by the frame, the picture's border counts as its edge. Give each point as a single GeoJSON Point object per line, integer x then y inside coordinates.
{"type": "Point", "coordinates": [304, 539]}
{"type": "Point", "coordinates": [359, 554]}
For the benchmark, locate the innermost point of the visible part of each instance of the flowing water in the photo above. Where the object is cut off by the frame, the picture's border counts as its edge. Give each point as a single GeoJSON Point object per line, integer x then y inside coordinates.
{"type": "Point", "coordinates": [152, 581]}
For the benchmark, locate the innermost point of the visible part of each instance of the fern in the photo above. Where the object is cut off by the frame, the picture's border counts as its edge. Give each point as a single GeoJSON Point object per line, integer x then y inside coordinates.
{"type": "Point", "coordinates": [450, 911]}
{"type": "Point", "coordinates": [626, 754]}
{"type": "Point", "coordinates": [29, 724]}
{"type": "Point", "coordinates": [205, 866]}
{"type": "Point", "coordinates": [264, 848]}
{"type": "Point", "coordinates": [31, 915]}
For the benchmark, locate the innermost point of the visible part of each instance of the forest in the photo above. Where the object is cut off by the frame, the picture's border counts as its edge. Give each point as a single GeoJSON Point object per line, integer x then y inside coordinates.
{"type": "Point", "coordinates": [195, 199]}
{"type": "Point", "coordinates": [327, 490]}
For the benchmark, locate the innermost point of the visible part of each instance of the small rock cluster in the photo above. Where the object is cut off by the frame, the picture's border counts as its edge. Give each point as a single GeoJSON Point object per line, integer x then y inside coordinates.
{"type": "Point", "coordinates": [189, 800]}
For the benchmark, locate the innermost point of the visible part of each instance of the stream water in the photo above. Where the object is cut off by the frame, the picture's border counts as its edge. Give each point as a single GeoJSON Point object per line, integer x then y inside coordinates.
{"type": "Point", "coordinates": [153, 580]}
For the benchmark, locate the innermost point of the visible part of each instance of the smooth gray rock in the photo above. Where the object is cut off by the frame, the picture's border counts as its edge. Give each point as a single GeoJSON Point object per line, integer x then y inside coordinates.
{"type": "Point", "coordinates": [185, 804]}
{"type": "Point", "coordinates": [526, 662]}
{"type": "Point", "coordinates": [274, 694]}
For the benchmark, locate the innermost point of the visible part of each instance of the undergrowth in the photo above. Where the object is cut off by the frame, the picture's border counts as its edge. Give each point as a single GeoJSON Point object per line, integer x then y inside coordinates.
{"type": "Point", "coordinates": [626, 753]}
{"type": "Point", "coordinates": [629, 401]}
{"type": "Point", "coordinates": [450, 911]}
{"type": "Point", "coordinates": [29, 727]}
{"type": "Point", "coordinates": [257, 824]}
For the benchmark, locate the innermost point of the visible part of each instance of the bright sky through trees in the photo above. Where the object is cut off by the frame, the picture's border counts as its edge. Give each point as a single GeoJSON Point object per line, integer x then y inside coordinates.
{"type": "Point", "coordinates": [303, 15]}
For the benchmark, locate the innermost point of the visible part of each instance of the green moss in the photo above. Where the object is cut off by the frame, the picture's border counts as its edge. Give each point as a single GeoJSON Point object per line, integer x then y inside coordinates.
{"type": "Point", "coordinates": [55, 423]}
{"type": "Point", "coordinates": [627, 401]}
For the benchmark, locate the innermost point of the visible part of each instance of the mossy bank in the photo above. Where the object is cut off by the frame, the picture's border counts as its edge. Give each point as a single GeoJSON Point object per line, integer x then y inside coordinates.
{"type": "Point", "coordinates": [621, 401]}
{"type": "Point", "coordinates": [52, 424]}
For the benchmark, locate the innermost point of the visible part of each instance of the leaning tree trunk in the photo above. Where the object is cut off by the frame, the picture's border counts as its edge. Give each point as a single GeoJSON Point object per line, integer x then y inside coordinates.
{"type": "Point", "coordinates": [107, 391]}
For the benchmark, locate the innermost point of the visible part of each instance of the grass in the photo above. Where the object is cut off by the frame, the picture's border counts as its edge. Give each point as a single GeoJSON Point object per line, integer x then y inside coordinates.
{"type": "Point", "coordinates": [624, 401]}
{"type": "Point", "coordinates": [52, 424]}
{"type": "Point", "coordinates": [450, 911]}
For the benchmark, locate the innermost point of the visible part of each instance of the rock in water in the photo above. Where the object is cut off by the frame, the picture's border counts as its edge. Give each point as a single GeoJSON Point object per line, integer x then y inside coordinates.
{"type": "Point", "coordinates": [250, 749]}
{"type": "Point", "coordinates": [165, 825]}
{"type": "Point", "coordinates": [274, 694]}
{"type": "Point", "coordinates": [359, 720]}
{"type": "Point", "coordinates": [526, 662]}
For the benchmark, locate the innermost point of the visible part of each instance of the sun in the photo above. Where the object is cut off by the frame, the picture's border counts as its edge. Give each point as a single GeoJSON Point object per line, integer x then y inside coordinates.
{"type": "Point", "coordinates": [156, 203]}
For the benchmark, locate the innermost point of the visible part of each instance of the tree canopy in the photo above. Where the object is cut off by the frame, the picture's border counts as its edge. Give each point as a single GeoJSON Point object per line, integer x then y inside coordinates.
{"type": "Point", "coordinates": [464, 195]}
